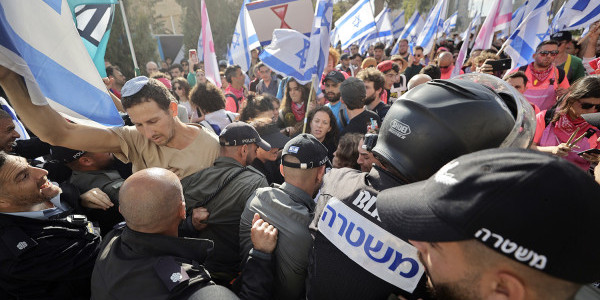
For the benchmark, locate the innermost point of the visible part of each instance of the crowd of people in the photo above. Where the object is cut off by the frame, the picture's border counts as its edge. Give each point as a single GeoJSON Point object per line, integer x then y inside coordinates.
{"type": "Point", "coordinates": [396, 176]}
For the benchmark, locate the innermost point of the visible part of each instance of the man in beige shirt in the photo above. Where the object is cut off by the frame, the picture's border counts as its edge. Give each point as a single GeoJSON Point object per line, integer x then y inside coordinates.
{"type": "Point", "coordinates": [157, 139]}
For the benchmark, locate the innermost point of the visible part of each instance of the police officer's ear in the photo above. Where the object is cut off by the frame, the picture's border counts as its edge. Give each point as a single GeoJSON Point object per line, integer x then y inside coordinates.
{"type": "Point", "coordinates": [506, 286]}
{"type": "Point", "coordinates": [85, 161]}
{"type": "Point", "coordinates": [182, 213]}
{"type": "Point", "coordinates": [321, 173]}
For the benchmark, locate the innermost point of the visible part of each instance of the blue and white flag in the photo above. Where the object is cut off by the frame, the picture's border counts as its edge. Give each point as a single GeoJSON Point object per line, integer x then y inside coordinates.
{"type": "Point", "coordinates": [39, 41]}
{"type": "Point", "coordinates": [19, 128]}
{"type": "Point", "coordinates": [382, 32]}
{"type": "Point", "coordinates": [243, 41]}
{"type": "Point", "coordinates": [518, 16]}
{"type": "Point", "coordinates": [355, 23]}
{"type": "Point", "coordinates": [576, 14]}
{"type": "Point", "coordinates": [450, 24]}
{"type": "Point", "coordinates": [472, 29]}
{"type": "Point", "coordinates": [433, 23]}
{"type": "Point", "coordinates": [93, 19]}
{"type": "Point", "coordinates": [398, 24]}
{"type": "Point", "coordinates": [293, 54]}
{"type": "Point", "coordinates": [533, 30]}
{"type": "Point", "coordinates": [462, 54]}
{"type": "Point", "coordinates": [411, 31]}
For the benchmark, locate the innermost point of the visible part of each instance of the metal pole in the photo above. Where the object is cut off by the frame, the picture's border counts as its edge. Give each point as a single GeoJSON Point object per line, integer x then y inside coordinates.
{"type": "Point", "coordinates": [135, 65]}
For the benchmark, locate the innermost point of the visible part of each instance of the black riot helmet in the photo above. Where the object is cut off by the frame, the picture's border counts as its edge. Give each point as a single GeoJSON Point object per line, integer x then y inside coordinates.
{"type": "Point", "coordinates": [443, 119]}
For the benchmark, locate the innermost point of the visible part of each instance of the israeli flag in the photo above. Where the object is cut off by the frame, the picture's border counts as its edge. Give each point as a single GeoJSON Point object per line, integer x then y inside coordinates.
{"type": "Point", "coordinates": [518, 16]}
{"type": "Point", "coordinates": [472, 29]}
{"type": "Point", "coordinates": [292, 53]}
{"type": "Point", "coordinates": [243, 41]}
{"type": "Point", "coordinates": [498, 19]}
{"type": "Point", "coordinates": [39, 41]}
{"type": "Point", "coordinates": [398, 24]}
{"type": "Point", "coordinates": [435, 19]}
{"type": "Point", "coordinates": [576, 14]}
{"type": "Point", "coordinates": [411, 31]}
{"type": "Point", "coordinates": [355, 23]}
{"type": "Point", "coordinates": [450, 24]}
{"type": "Point", "coordinates": [93, 19]}
{"type": "Point", "coordinates": [382, 32]}
{"type": "Point", "coordinates": [462, 54]}
{"type": "Point", "coordinates": [534, 29]}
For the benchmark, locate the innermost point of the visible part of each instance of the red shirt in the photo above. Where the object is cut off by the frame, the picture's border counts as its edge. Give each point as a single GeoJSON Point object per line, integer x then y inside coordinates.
{"type": "Point", "coordinates": [230, 102]}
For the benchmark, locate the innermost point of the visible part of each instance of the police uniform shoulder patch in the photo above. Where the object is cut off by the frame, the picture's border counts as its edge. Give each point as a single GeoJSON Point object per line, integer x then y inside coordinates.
{"type": "Point", "coordinates": [170, 272]}
{"type": "Point", "coordinates": [17, 241]}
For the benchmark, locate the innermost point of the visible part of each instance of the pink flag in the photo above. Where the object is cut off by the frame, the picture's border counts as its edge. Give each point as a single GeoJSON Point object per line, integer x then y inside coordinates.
{"type": "Point", "coordinates": [211, 67]}
{"type": "Point", "coordinates": [498, 19]}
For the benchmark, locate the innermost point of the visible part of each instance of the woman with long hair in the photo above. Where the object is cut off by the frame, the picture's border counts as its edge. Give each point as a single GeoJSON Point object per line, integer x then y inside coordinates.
{"type": "Point", "coordinates": [293, 107]}
{"type": "Point", "coordinates": [322, 124]}
{"type": "Point", "coordinates": [181, 87]}
{"type": "Point", "coordinates": [556, 126]}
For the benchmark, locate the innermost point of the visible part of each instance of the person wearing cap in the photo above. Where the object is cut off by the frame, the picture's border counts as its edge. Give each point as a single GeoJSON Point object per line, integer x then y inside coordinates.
{"type": "Point", "coordinates": [290, 207]}
{"type": "Point", "coordinates": [546, 82]}
{"type": "Point", "coordinates": [570, 64]}
{"type": "Point", "coordinates": [344, 65]}
{"type": "Point", "coordinates": [215, 197]}
{"type": "Point", "coordinates": [374, 82]}
{"type": "Point", "coordinates": [485, 226]}
{"type": "Point", "coordinates": [267, 162]}
{"type": "Point", "coordinates": [390, 71]}
{"type": "Point", "coordinates": [353, 257]}
{"type": "Point", "coordinates": [45, 251]}
{"type": "Point", "coordinates": [145, 258]}
{"type": "Point", "coordinates": [332, 82]}
{"type": "Point", "coordinates": [158, 138]}
{"type": "Point", "coordinates": [353, 94]}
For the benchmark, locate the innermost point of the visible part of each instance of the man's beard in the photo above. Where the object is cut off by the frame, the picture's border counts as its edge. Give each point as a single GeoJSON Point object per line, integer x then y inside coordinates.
{"type": "Point", "coordinates": [369, 100]}
{"type": "Point", "coordinates": [451, 290]}
{"type": "Point", "coordinates": [334, 98]}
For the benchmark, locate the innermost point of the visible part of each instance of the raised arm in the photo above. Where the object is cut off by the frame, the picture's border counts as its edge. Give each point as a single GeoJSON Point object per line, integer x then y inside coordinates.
{"type": "Point", "coordinates": [50, 126]}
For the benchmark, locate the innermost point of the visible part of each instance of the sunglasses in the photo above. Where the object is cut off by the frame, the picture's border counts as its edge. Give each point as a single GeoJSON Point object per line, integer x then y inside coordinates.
{"type": "Point", "coordinates": [444, 68]}
{"type": "Point", "coordinates": [545, 53]}
{"type": "Point", "coordinates": [585, 106]}
{"type": "Point", "coordinates": [179, 88]}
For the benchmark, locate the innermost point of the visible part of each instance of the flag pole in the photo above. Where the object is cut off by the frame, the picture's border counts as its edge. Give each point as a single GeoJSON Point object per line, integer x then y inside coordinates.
{"type": "Point", "coordinates": [135, 65]}
{"type": "Point", "coordinates": [310, 98]}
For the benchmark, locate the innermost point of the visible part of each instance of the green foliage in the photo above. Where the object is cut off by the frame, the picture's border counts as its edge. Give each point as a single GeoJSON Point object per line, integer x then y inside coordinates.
{"type": "Point", "coordinates": [423, 6]}
{"type": "Point", "coordinates": [223, 16]}
{"type": "Point", "coordinates": [117, 50]}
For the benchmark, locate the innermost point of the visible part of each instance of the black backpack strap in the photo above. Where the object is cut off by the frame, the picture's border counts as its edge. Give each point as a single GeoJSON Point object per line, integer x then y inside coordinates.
{"type": "Point", "coordinates": [561, 75]}
{"type": "Point", "coordinates": [523, 68]}
{"type": "Point", "coordinates": [549, 115]}
{"type": "Point", "coordinates": [235, 99]}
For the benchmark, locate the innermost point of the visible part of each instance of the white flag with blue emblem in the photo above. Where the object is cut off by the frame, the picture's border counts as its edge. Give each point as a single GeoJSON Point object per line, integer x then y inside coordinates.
{"type": "Point", "coordinates": [434, 21]}
{"type": "Point", "coordinates": [398, 24]}
{"type": "Point", "coordinates": [576, 14]}
{"type": "Point", "coordinates": [534, 29]}
{"type": "Point", "coordinates": [450, 24]}
{"type": "Point", "coordinates": [293, 54]}
{"type": "Point", "coordinates": [39, 41]}
{"type": "Point", "coordinates": [382, 32]}
{"type": "Point", "coordinates": [411, 31]}
{"type": "Point", "coordinates": [355, 23]}
{"type": "Point", "coordinates": [518, 16]}
{"type": "Point", "coordinates": [243, 41]}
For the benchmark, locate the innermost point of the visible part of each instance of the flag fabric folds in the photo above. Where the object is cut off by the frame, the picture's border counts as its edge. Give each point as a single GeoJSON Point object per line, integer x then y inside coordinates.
{"type": "Point", "coordinates": [462, 54]}
{"type": "Point", "coordinates": [576, 14]}
{"type": "Point", "coordinates": [411, 30]}
{"type": "Point", "coordinates": [498, 19]}
{"type": "Point", "coordinates": [381, 33]}
{"type": "Point", "coordinates": [211, 67]}
{"type": "Point", "coordinates": [243, 41]}
{"type": "Point", "coordinates": [291, 53]}
{"type": "Point", "coordinates": [398, 24]}
{"type": "Point", "coordinates": [94, 21]}
{"type": "Point", "coordinates": [433, 23]}
{"type": "Point", "coordinates": [534, 29]}
{"type": "Point", "coordinates": [355, 23]}
{"type": "Point", "coordinates": [39, 41]}
{"type": "Point", "coordinates": [450, 24]}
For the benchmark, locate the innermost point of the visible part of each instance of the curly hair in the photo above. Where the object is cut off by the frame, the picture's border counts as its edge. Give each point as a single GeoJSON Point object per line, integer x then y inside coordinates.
{"type": "Point", "coordinates": [373, 75]}
{"type": "Point", "coordinates": [182, 83]}
{"type": "Point", "coordinates": [207, 97]}
{"type": "Point", "coordinates": [256, 105]}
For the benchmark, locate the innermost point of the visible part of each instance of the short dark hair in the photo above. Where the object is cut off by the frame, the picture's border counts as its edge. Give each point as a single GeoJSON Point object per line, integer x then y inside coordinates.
{"type": "Point", "coordinates": [518, 74]}
{"type": "Point", "coordinates": [433, 71]}
{"type": "Point", "coordinates": [207, 96]}
{"type": "Point", "coordinates": [379, 45]}
{"type": "Point", "coordinates": [178, 66]}
{"type": "Point", "coordinates": [419, 48]}
{"type": "Point", "coordinates": [230, 72]}
{"type": "Point", "coordinates": [355, 55]}
{"type": "Point", "coordinates": [373, 75]}
{"type": "Point", "coordinates": [110, 70]}
{"type": "Point", "coordinates": [154, 90]}
{"type": "Point", "coordinates": [544, 43]}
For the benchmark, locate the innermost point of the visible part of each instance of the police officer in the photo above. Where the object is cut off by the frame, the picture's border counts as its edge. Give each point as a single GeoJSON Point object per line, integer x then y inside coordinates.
{"type": "Point", "coordinates": [353, 257]}
{"type": "Point", "coordinates": [42, 255]}
{"type": "Point", "coordinates": [220, 193]}
{"type": "Point", "coordinates": [290, 208]}
{"type": "Point", "coordinates": [147, 260]}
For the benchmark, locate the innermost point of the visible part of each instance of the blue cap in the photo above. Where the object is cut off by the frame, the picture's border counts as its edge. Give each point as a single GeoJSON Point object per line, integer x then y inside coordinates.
{"type": "Point", "coordinates": [134, 85]}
